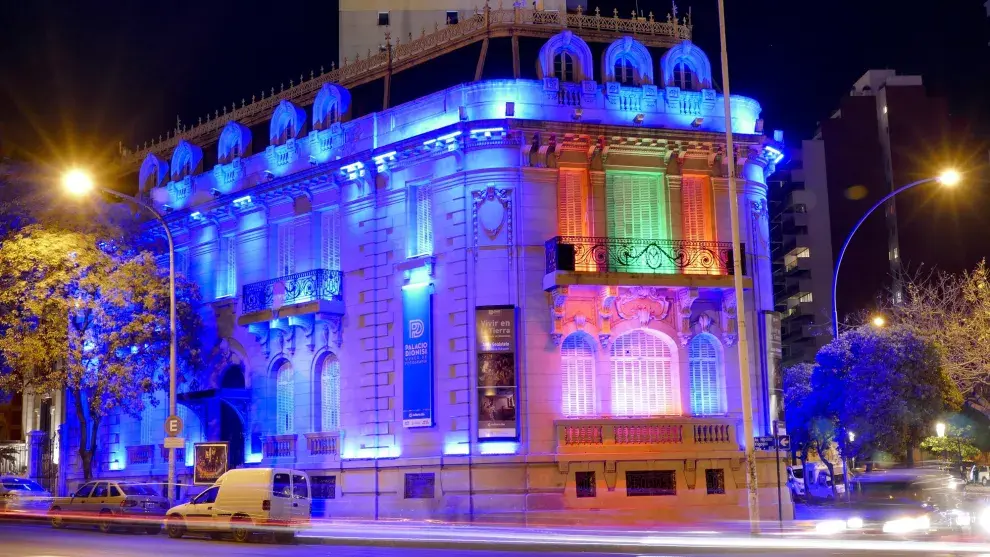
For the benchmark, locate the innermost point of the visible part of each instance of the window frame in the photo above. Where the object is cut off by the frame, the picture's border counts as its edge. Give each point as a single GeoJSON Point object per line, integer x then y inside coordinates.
{"type": "Point", "coordinates": [384, 19]}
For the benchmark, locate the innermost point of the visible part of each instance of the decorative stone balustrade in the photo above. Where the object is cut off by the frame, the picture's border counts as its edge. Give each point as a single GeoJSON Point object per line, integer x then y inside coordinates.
{"type": "Point", "coordinates": [140, 454]}
{"type": "Point", "coordinates": [279, 446]}
{"type": "Point", "coordinates": [614, 435]}
{"type": "Point", "coordinates": [324, 443]}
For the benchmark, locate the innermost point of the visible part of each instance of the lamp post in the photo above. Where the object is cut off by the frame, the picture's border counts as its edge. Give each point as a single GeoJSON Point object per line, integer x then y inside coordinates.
{"type": "Point", "coordinates": [745, 387]}
{"type": "Point", "coordinates": [948, 178]}
{"type": "Point", "coordinates": [845, 466]}
{"type": "Point", "coordinates": [940, 432]}
{"type": "Point", "coordinates": [80, 183]}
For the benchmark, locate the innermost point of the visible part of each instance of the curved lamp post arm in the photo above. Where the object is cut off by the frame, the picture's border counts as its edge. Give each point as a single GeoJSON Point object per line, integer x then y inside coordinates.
{"type": "Point", "coordinates": [845, 244]}
{"type": "Point", "coordinates": [171, 321]}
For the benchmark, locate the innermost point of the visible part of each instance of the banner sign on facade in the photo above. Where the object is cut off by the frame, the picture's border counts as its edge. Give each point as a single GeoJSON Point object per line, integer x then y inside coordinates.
{"type": "Point", "coordinates": [775, 375]}
{"type": "Point", "coordinates": [417, 357]}
{"type": "Point", "coordinates": [497, 379]}
{"type": "Point", "coordinates": [211, 462]}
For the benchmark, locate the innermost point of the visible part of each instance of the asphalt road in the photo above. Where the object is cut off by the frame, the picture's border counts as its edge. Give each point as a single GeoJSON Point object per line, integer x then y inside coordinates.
{"type": "Point", "coordinates": [24, 539]}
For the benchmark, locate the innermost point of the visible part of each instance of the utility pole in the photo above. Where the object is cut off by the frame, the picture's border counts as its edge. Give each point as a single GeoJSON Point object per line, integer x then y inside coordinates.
{"type": "Point", "coordinates": [743, 344]}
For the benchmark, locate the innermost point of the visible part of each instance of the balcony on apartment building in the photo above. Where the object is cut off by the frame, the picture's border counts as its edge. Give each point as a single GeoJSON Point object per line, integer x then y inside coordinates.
{"type": "Point", "coordinates": [574, 260]}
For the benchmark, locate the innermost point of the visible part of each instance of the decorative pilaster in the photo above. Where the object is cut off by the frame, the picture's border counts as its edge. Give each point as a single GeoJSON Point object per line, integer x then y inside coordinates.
{"type": "Point", "coordinates": [606, 306]}
{"type": "Point", "coordinates": [558, 299]}
{"type": "Point", "coordinates": [729, 332]}
{"type": "Point", "coordinates": [685, 300]}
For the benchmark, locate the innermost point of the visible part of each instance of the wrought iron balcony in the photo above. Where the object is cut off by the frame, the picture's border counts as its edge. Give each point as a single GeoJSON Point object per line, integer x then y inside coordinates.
{"type": "Point", "coordinates": [629, 255]}
{"type": "Point", "coordinates": [309, 286]}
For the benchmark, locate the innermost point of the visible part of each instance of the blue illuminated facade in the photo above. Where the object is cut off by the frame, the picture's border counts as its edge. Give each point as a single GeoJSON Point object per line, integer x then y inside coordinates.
{"type": "Point", "coordinates": [342, 267]}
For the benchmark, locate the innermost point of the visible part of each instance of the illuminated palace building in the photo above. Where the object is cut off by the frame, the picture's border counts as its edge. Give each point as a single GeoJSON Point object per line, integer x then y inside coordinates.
{"type": "Point", "coordinates": [510, 298]}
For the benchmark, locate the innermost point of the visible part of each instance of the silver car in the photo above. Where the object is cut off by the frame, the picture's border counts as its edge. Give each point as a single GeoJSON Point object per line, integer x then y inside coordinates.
{"type": "Point", "coordinates": [109, 505]}
{"type": "Point", "coordinates": [23, 497]}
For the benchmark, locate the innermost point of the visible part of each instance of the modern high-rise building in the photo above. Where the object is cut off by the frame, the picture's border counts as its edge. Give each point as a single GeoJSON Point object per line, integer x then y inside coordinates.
{"type": "Point", "coordinates": [506, 299]}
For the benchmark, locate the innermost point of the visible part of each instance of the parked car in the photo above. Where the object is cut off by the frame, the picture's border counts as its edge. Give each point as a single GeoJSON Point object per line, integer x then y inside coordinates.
{"type": "Point", "coordinates": [795, 483]}
{"type": "Point", "coordinates": [245, 501]}
{"type": "Point", "coordinates": [23, 496]}
{"type": "Point", "coordinates": [109, 504]}
{"type": "Point", "coordinates": [818, 483]}
{"type": "Point", "coordinates": [980, 474]}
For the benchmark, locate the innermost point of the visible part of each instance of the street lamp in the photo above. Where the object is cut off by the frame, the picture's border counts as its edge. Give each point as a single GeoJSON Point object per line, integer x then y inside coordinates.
{"type": "Point", "coordinates": [948, 178]}
{"type": "Point", "coordinates": [878, 321]}
{"type": "Point", "coordinates": [79, 182]}
{"type": "Point", "coordinates": [940, 429]}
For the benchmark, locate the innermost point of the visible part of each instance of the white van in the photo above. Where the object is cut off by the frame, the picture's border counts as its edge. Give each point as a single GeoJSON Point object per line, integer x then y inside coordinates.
{"type": "Point", "coordinates": [246, 501]}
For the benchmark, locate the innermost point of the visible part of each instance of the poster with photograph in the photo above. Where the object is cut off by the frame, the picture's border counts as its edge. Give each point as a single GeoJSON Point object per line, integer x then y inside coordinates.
{"type": "Point", "coordinates": [497, 378]}
{"type": "Point", "coordinates": [211, 462]}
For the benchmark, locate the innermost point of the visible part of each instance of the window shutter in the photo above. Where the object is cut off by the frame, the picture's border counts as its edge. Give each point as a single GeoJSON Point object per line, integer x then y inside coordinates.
{"type": "Point", "coordinates": [330, 394]}
{"type": "Point", "coordinates": [424, 220]}
{"type": "Point", "coordinates": [286, 249]}
{"type": "Point", "coordinates": [642, 376]}
{"type": "Point", "coordinates": [706, 385]}
{"type": "Point", "coordinates": [285, 400]}
{"type": "Point", "coordinates": [637, 211]}
{"type": "Point", "coordinates": [231, 266]}
{"type": "Point", "coordinates": [577, 368]}
{"type": "Point", "coordinates": [330, 234]}
{"type": "Point", "coordinates": [572, 203]}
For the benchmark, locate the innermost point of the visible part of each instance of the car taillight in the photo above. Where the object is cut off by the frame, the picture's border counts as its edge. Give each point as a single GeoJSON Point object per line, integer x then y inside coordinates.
{"type": "Point", "coordinates": [128, 503]}
{"type": "Point", "coordinates": [266, 505]}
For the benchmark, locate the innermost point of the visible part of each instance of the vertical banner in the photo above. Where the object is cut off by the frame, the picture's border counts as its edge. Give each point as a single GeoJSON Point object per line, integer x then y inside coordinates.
{"type": "Point", "coordinates": [775, 375]}
{"type": "Point", "coordinates": [497, 378]}
{"type": "Point", "coordinates": [417, 356]}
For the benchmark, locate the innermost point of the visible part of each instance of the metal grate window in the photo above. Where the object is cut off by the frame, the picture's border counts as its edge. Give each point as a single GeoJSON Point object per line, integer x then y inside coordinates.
{"type": "Point", "coordinates": [420, 486]}
{"type": "Point", "coordinates": [706, 383]}
{"type": "Point", "coordinates": [649, 483]}
{"type": "Point", "coordinates": [642, 375]}
{"type": "Point", "coordinates": [324, 487]}
{"type": "Point", "coordinates": [585, 483]}
{"type": "Point", "coordinates": [715, 481]}
{"type": "Point", "coordinates": [577, 370]}
{"type": "Point", "coordinates": [285, 400]}
{"type": "Point", "coordinates": [330, 393]}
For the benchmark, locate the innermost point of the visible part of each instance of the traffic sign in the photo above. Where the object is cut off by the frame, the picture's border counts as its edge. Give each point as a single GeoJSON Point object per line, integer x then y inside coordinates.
{"type": "Point", "coordinates": [175, 443]}
{"type": "Point", "coordinates": [779, 427]}
{"type": "Point", "coordinates": [173, 426]}
{"type": "Point", "coordinates": [764, 443]}
{"type": "Point", "coordinates": [784, 442]}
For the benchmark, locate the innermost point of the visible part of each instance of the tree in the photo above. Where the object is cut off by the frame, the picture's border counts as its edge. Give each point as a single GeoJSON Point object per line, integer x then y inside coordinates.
{"type": "Point", "coordinates": [953, 312]}
{"type": "Point", "coordinates": [958, 443]}
{"type": "Point", "coordinates": [887, 385]}
{"type": "Point", "coordinates": [801, 408]}
{"type": "Point", "coordinates": [82, 310]}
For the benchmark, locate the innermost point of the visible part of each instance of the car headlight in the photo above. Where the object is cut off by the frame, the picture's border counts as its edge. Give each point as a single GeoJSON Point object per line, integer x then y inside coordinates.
{"type": "Point", "coordinates": [961, 518]}
{"type": "Point", "coordinates": [829, 527]}
{"type": "Point", "coordinates": [984, 519]}
{"type": "Point", "coordinates": [906, 525]}
{"type": "Point", "coordinates": [854, 523]}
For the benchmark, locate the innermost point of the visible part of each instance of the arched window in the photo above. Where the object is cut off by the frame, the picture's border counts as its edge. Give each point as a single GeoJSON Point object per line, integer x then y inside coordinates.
{"type": "Point", "coordinates": [642, 375]}
{"type": "Point", "coordinates": [563, 66]}
{"type": "Point", "coordinates": [577, 371]}
{"type": "Point", "coordinates": [683, 76]}
{"type": "Point", "coordinates": [706, 380]}
{"type": "Point", "coordinates": [330, 394]}
{"type": "Point", "coordinates": [284, 400]}
{"type": "Point", "coordinates": [624, 72]}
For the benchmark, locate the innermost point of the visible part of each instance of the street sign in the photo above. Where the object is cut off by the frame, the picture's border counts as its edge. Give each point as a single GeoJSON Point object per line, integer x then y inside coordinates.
{"type": "Point", "coordinates": [784, 442]}
{"type": "Point", "coordinates": [764, 443]}
{"type": "Point", "coordinates": [175, 443]}
{"type": "Point", "coordinates": [779, 428]}
{"type": "Point", "coordinates": [173, 426]}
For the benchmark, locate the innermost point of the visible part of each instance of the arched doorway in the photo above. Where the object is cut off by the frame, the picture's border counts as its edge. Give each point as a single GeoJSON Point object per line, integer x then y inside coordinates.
{"type": "Point", "coordinates": [232, 431]}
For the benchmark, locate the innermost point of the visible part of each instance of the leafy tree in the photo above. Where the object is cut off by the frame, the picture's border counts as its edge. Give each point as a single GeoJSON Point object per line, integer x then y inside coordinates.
{"type": "Point", "coordinates": [801, 406]}
{"type": "Point", "coordinates": [887, 385]}
{"type": "Point", "coordinates": [958, 443]}
{"type": "Point", "coordinates": [83, 311]}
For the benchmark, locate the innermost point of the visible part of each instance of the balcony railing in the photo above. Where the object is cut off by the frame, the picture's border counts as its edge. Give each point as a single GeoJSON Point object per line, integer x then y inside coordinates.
{"type": "Point", "coordinates": [324, 443]}
{"type": "Point", "coordinates": [279, 446]}
{"type": "Point", "coordinates": [629, 255]}
{"type": "Point", "coordinates": [605, 435]}
{"type": "Point", "coordinates": [308, 286]}
{"type": "Point", "coordinates": [140, 454]}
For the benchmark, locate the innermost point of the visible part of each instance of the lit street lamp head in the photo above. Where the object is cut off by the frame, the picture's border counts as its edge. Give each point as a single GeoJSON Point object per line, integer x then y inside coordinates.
{"type": "Point", "coordinates": [878, 321]}
{"type": "Point", "coordinates": [949, 178]}
{"type": "Point", "coordinates": [940, 429]}
{"type": "Point", "coordinates": [77, 182]}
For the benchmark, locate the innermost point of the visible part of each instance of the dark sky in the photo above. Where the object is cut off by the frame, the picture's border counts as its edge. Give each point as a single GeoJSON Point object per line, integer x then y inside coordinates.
{"type": "Point", "coordinates": [76, 76]}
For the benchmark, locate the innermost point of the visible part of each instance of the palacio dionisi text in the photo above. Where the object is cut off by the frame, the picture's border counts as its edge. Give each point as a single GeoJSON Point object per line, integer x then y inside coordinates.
{"type": "Point", "coordinates": [507, 299]}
